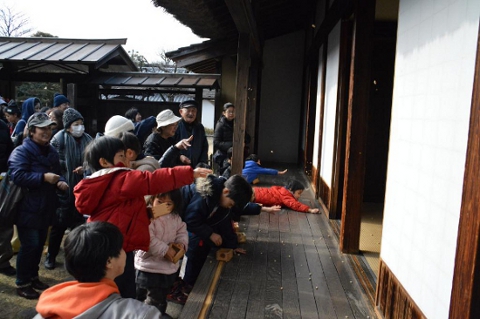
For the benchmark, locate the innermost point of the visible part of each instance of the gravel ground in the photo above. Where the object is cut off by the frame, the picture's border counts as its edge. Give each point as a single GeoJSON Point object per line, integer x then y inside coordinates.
{"type": "Point", "coordinates": [14, 307]}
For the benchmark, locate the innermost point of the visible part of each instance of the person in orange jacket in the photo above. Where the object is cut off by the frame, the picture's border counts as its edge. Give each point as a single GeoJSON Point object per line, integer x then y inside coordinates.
{"type": "Point", "coordinates": [94, 257]}
{"type": "Point", "coordinates": [286, 196]}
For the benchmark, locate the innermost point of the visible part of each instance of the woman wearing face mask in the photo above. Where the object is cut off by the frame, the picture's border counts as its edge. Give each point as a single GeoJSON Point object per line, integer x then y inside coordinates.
{"type": "Point", "coordinates": [70, 144]}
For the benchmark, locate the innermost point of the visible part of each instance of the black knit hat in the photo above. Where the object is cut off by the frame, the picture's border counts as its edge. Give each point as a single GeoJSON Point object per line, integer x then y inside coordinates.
{"type": "Point", "coordinates": [59, 99]}
{"type": "Point", "coordinates": [70, 115]}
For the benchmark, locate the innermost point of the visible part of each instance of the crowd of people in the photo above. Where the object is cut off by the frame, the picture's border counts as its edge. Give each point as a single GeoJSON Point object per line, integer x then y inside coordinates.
{"type": "Point", "coordinates": [133, 197]}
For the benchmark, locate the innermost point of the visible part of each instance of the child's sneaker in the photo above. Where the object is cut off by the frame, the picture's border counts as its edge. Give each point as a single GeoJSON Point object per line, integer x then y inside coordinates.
{"type": "Point", "coordinates": [178, 298]}
{"type": "Point", "coordinates": [186, 288]}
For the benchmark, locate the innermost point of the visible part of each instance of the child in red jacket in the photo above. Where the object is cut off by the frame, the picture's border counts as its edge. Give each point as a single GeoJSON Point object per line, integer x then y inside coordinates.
{"type": "Point", "coordinates": [286, 196]}
{"type": "Point", "coordinates": [115, 194]}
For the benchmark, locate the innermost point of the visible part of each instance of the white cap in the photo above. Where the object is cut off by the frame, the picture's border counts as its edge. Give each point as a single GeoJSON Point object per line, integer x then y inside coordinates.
{"type": "Point", "coordinates": [166, 117]}
{"type": "Point", "coordinates": [118, 124]}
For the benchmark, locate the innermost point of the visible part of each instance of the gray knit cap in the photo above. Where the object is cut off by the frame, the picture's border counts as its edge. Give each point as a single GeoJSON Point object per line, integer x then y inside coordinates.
{"type": "Point", "coordinates": [70, 115]}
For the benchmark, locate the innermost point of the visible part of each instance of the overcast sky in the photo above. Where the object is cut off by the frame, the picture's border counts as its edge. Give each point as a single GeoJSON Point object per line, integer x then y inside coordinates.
{"type": "Point", "coordinates": [148, 29]}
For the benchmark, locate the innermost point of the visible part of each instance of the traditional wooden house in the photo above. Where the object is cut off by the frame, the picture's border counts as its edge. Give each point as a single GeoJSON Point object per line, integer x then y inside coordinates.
{"type": "Point", "coordinates": [379, 102]}
{"type": "Point", "coordinates": [98, 76]}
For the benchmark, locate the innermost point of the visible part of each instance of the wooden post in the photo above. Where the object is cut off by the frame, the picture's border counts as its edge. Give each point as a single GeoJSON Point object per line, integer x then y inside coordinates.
{"type": "Point", "coordinates": [252, 103]}
{"type": "Point", "coordinates": [199, 99]}
{"type": "Point", "coordinates": [72, 94]}
{"type": "Point", "coordinates": [466, 275]}
{"type": "Point", "coordinates": [360, 82]}
{"type": "Point", "coordinates": [243, 67]}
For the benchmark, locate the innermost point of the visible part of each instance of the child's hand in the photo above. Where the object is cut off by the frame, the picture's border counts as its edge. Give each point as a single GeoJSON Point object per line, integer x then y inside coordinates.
{"type": "Point", "coordinates": [282, 172]}
{"type": "Point", "coordinates": [240, 251]}
{"type": "Point", "coordinates": [216, 239]}
{"type": "Point", "coordinates": [313, 210]}
{"type": "Point", "coordinates": [201, 172]}
{"type": "Point", "coordinates": [272, 209]}
{"type": "Point", "coordinates": [170, 254]}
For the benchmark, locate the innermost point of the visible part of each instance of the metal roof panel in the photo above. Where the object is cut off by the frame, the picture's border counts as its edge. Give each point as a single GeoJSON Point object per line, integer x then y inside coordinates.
{"type": "Point", "coordinates": [66, 52]}
{"type": "Point", "coordinates": [47, 53]}
{"type": "Point", "coordinates": [136, 80]}
{"type": "Point", "coordinates": [26, 54]}
{"type": "Point", "coordinates": [188, 81]}
{"type": "Point", "coordinates": [16, 50]}
{"type": "Point", "coordinates": [163, 80]}
{"type": "Point", "coordinates": [84, 53]}
{"type": "Point", "coordinates": [101, 52]}
{"type": "Point", "coordinates": [58, 49]}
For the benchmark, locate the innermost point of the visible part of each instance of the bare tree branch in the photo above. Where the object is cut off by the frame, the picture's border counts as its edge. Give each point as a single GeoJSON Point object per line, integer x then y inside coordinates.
{"type": "Point", "coordinates": [13, 24]}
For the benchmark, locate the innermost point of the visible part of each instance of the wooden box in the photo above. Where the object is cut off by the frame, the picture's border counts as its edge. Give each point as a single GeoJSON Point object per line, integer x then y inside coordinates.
{"type": "Point", "coordinates": [241, 238]}
{"type": "Point", "coordinates": [180, 252]}
{"type": "Point", "coordinates": [224, 254]}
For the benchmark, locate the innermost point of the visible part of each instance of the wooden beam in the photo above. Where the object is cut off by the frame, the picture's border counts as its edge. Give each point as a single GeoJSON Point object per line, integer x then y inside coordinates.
{"type": "Point", "coordinates": [242, 14]}
{"type": "Point", "coordinates": [466, 276]}
{"type": "Point", "coordinates": [212, 51]}
{"type": "Point", "coordinates": [359, 95]}
{"type": "Point", "coordinates": [241, 97]}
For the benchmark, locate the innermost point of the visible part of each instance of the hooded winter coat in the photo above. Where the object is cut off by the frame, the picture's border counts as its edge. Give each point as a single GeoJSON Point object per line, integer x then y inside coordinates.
{"type": "Point", "coordinates": [278, 195]}
{"type": "Point", "coordinates": [28, 163]}
{"type": "Point", "coordinates": [116, 195]}
{"type": "Point", "coordinates": [203, 213]}
{"type": "Point", "coordinates": [28, 108]}
{"type": "Point", "coordinates": [144, 128]}
{"type": "Point", "coordinates": [92, 300]}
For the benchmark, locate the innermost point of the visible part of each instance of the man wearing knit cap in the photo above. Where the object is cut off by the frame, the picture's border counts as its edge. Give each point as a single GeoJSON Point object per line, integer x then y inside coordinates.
{"type": "Point", "coordinates": [60, 101]}
{"type": "Point", "coordinates": [118, 124]}
{"type": "Point", "coordinates": [188, 126]}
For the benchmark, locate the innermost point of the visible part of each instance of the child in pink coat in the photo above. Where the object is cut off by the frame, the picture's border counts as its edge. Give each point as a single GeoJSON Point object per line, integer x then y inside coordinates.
{"type": "Point", "coordinates": [156, 270]}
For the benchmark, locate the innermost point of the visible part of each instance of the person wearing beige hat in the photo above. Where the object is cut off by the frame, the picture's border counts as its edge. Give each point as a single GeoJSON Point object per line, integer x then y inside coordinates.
{"type": "Point", "coordinates": [161, 139]}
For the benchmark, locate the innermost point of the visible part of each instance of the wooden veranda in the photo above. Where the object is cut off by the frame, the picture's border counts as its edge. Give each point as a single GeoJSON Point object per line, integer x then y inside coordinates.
{"type": "Point", "coordinates": [293, 269]}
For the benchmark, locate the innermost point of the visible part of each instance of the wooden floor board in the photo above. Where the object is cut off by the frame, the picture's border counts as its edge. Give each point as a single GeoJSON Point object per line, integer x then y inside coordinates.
{"type": "Point", "coordinates": [239, 301]}
{"type": "Point", "coordinates": [353, 293]}
{"type": "Point", "coordinates": [293, 269]}
{"type": "Point", "coordinates": [222, 301]}
{"type": "Point", "coordinates": [291, 299]}
{"type": "Point", "coordinates": [308, 306]}
{"type": "Point", "coordinates": [196, 297]}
